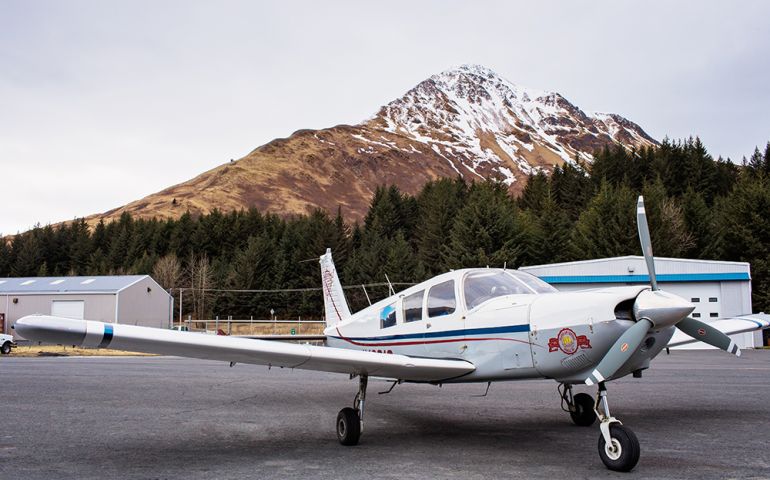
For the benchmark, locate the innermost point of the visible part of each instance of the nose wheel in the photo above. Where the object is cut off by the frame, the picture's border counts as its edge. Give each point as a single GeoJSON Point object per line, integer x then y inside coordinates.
{"type": "Point", "coordinates": [618, 445]}
{"type": "Point", "coordinates": [350, 421]}
{"type": "Point", "coordinates": [580, 406]}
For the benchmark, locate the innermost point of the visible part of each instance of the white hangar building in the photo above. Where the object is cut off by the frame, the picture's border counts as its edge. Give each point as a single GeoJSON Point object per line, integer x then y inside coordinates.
{"type": "Point", "coordinates": [717, 289]}
{"type": "Point", "coordinates": [127, 299]}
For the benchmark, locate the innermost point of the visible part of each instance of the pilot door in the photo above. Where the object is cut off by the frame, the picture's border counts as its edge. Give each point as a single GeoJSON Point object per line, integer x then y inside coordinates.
{"type": "Point", "coordinates": [444, 322]}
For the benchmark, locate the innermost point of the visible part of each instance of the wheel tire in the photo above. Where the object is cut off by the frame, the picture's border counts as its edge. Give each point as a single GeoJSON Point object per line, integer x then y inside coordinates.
{"type": "Point", "coordinates": [6, 348]}
{"type": "Point", "coordinates": [626, 453]}
{"type": "Point", "coordinates": [584, 415]}
{"type": "Point", "coordinates": [348, 426]}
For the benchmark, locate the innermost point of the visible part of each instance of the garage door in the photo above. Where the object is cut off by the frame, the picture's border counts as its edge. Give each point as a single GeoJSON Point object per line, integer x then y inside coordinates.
{"type": "Point", "coordinates": [68, 308]}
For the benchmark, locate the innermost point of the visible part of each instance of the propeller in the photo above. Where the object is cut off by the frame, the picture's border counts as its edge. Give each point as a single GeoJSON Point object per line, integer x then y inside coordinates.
{"type": "Point", "coordinates": [655, 308]}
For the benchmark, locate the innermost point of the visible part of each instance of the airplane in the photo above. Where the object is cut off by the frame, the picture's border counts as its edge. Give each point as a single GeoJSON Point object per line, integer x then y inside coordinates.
{"type": "Point", "coordinates": [470, 325]}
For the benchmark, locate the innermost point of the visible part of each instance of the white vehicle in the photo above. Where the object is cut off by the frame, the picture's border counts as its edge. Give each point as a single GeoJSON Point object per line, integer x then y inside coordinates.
{"type": "Point", "coordinates": [471, 325]}
{"type": "Point", "coordinates": [6, 342]}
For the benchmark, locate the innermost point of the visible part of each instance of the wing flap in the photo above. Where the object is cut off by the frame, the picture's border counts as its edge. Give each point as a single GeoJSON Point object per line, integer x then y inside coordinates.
{"type": "Point", "coordinates": [728, 326]}
{"type": "Point", "coordinates": [240, 350]}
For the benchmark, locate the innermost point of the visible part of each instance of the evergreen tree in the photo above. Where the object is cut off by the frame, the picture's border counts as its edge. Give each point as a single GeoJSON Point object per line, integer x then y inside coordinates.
{"type": "Point", "coordinates": [438, 204]}
{"type": "Point", "coordinates": [607, 228]}
{"type": "Point", "coordinates": [485, 231]}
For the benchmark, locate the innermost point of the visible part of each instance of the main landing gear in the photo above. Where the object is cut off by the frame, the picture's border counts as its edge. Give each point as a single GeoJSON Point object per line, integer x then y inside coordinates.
{"type": "Point", "coordinates": [618, 446]}
{"type": "Point", "coordinates": [350, 421]}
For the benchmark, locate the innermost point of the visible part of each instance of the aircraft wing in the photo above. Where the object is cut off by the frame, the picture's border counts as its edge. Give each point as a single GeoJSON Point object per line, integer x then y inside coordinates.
{"type": "Point", "coordinates": [728, 326]}
{"type": "Point", "coordinates": [132, 338]}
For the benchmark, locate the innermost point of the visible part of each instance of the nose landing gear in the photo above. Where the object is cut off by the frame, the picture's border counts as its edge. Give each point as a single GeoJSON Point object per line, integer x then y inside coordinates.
{"type": "Point", "coordinates": [618, 445]}
{"type": "Point", "coordinates": [580, 407]}
{"type": "Point", "coordinates": [350, 421]}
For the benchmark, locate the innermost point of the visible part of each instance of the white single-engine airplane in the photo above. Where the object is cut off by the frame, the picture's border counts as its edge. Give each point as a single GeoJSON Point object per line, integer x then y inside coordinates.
{"type": "Point", "coordinates": [470, 325]}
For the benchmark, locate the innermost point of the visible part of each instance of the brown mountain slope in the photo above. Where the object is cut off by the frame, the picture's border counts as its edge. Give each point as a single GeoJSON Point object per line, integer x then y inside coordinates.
{"type": "Point", "coordinates": [466, 121]}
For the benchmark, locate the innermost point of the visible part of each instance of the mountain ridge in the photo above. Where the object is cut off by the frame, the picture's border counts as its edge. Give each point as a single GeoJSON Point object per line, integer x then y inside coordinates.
{"type": "Point", "coordinates": [465, 121]}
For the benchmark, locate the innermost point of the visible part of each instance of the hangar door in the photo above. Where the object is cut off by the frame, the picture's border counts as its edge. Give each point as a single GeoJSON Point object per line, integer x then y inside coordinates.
{"type": "Point", "coordinates": [68, 308]}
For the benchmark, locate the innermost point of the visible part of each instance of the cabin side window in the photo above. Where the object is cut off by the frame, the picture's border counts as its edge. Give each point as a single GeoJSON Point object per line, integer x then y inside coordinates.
{"type": "Point", "coordinates": [388, 316]}
{"type": "Point", "coordinates": [413, 306]}
{"type": "Point", "coordinates": [441, 299]}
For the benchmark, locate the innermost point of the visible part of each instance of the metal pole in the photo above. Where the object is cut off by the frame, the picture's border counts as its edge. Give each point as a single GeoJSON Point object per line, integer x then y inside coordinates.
{"type": "Point", "coordinates": [180, 306]}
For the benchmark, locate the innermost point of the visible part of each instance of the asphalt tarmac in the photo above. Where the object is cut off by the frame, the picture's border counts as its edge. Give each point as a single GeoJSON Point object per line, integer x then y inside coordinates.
{"type": "Point", "coordinates": [701, 414]}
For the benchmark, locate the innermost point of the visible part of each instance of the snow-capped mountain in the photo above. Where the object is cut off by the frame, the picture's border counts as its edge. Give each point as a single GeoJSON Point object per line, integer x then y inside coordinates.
{"type": "Point", "coordinates": [483, 124]}
{"type": "Point", "coordinates": [465, 121]}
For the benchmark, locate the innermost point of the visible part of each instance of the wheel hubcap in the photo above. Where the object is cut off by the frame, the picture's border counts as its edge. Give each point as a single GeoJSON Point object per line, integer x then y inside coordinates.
{"type": "Point", "coordinates": [613, 450]}
{"type": "Point", "coordinates": [341, 428]}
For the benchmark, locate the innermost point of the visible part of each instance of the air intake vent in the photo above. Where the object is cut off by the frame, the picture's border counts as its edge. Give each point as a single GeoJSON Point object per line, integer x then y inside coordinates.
{"type": "Point", "coordinates": [578, 361]}
{"type": "Point", "coordinates": [625, 309]}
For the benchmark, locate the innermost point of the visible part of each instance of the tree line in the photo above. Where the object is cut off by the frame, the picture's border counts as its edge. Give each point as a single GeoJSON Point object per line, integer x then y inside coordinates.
{"type": "Point", "coordinates": [697, 207]}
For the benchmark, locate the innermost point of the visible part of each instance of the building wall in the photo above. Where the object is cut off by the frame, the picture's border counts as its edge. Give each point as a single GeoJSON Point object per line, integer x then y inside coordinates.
{"type": "Point", "coordinates": [138, 306]}
{"type": "Point", "coordinates": [99, 307]}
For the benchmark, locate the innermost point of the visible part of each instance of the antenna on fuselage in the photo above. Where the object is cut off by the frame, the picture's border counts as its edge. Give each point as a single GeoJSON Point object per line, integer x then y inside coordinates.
{"type": "Point", "coordinates": [390, 285]}
{"type": "Point", "coordinates": [367, 295]}
{"type": "Point", "coordinates": [505, 265]}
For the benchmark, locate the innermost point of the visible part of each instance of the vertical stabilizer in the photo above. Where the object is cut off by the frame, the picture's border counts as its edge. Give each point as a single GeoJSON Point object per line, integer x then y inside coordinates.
{"type": "Point", "coordinates": [335, 305]}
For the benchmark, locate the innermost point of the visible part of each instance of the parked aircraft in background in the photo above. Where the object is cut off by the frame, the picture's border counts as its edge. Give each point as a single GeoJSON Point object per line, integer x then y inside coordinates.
{"type": "Point", "coordinates": [470, 325]}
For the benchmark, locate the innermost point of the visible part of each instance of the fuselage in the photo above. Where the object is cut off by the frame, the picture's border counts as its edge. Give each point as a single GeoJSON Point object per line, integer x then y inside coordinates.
{"type": "Point", "coordinates": [509, 324]}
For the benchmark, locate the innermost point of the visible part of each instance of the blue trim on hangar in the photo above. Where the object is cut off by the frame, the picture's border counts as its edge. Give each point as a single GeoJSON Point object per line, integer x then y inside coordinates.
{"type": "Point", "coordinates": [671, 277]}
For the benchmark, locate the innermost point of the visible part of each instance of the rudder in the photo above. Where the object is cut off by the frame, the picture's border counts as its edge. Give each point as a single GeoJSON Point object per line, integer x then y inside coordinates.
{"type": "Point", "coordinates": [335, 306]}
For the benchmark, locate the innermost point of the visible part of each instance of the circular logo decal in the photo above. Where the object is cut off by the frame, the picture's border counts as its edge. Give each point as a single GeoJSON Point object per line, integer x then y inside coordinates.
{"type": "Point", "coordinates": [702, 332]}
{"type": "Point", "coordinates": [568, 341]}
{"type": "Point", "coordinates": [624, 347]}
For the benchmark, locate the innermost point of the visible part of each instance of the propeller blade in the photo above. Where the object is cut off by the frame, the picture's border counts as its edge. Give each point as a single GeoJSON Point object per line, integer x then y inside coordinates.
{"type": "Point", "coordinates": [708, 334]}
{"type": "Point", "coordinates": [620, 352]}
{"type": "Point", "coordinates": [644, 239]}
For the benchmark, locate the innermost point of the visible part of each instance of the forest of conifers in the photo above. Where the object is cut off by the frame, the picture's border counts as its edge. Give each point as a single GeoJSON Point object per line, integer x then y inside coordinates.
{"type": "Point", "coordinates": [697, 207]}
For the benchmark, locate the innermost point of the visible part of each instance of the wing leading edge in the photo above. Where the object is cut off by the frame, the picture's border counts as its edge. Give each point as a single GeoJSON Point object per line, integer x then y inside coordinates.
{"type": "Point", "coordinates": [88, 333]}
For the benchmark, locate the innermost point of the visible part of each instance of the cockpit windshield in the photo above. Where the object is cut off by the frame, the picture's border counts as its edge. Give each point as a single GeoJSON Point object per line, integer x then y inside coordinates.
{"type": "Point", "coordinates": [533, 282]}
{"type": "Point", "coordinates": [484, 285]}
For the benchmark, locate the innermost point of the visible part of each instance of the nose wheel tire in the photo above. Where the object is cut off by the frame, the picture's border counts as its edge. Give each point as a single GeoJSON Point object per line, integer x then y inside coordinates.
{"type": "Point", "coordinates": [583, 413]}
{"type": "Point", "coordinates": [348, 426]}
{"type": "Point", "coordinates": [623, 452]}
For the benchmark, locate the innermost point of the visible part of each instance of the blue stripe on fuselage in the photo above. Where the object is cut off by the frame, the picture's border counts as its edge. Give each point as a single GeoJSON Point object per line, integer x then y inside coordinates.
{"type": "Point", "coordinates": [450, 333]}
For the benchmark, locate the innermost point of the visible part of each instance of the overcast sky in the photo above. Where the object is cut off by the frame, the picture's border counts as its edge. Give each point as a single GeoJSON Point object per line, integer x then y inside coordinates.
{"type": "Point", "coordinates": [104, 102]}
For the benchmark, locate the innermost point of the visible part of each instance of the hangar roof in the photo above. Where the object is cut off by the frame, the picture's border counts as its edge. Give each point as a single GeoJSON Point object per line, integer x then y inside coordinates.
{"type": "Point", "coordinates": [632, 269]}
{"type": "Point", "coordinates": [100, 284]}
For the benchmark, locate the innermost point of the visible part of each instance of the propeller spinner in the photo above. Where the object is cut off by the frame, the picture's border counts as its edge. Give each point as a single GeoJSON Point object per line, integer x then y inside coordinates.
{"type": "Point", "coordinates": [655, 308]}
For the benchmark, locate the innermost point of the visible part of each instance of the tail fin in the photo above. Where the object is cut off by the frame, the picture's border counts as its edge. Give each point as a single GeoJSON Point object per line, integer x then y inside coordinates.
{"type": "Point", "coordinates": [335, 305]}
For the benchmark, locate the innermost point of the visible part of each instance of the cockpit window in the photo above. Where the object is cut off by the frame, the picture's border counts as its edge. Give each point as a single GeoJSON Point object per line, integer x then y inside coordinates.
{"type": "Point", "coordinates": [388, 316]}
{"type": "Point", "coordinates": [441, 299]}
{"type": "Point", "coordinates": [413, 306]}
{"type": "Point", "coordinates": [533, 282]}
{"type": "Point", "coordinates": [485, 285]}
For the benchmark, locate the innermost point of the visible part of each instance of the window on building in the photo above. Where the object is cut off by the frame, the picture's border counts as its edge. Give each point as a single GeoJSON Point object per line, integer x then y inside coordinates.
{"type": "Point", "coordinates": [713, 314]}
{"type": "Point", "coordinates": [696, 315]}
{"type": "Point", "coordinates": [388, 316]}
{"type": "Point", "coordinates": [695, 299]}
{"type": "Point", "coordinates": [413, 306]}
{"type": "Point", "coordinates": [713, 299]}
{"type": "Point", "coordinates": [441, 299]}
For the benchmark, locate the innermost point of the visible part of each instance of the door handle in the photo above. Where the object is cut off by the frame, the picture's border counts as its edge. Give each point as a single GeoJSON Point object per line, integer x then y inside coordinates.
{"type": "Point", "coordinates": [427, 325]}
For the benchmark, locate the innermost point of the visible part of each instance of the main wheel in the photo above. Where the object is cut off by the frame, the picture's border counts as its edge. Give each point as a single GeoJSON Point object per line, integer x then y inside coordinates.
{"type": "Point", "coordinates": [584, 414]}
{"type": "Point", "coordinates": [623, 454]}
{"type": "Point", "coordinates": [348, 426]}
{"type": "Point", "coordinates": [6, 348]}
